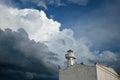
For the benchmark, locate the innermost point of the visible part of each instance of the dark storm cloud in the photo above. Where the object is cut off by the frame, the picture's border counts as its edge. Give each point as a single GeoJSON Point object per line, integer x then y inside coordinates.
{"type": "Point", "coordinates": [22, 58]}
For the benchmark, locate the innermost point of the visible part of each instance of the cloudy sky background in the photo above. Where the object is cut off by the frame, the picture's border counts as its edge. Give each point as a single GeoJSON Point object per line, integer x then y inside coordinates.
{"type": "Point", "coordinates": [36, 34]}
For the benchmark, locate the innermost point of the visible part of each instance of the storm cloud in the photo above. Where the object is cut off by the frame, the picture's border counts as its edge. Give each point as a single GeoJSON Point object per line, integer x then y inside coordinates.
{"type": "Point", "coordinates": [22, 58]}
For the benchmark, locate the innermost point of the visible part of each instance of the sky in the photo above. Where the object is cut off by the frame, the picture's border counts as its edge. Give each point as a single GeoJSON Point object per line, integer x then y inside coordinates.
{"type": "Point", "coordinates": [36, 34]}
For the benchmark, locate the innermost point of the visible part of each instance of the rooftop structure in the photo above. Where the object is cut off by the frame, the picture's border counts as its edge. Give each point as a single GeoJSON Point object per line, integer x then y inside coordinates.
{"type": "Point", "coordinates": [85, 72]}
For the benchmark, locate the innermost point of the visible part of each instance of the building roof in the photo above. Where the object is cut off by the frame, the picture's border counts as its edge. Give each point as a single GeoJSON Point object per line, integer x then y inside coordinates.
{"type": "Point", "coordinates": [108, 69]}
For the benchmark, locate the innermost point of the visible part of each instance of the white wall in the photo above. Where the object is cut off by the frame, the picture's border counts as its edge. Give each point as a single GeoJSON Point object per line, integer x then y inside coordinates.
{"type": "Point", "coordinates": [104, 73]}
{"type": "Point", "coordinates": [78, 72]}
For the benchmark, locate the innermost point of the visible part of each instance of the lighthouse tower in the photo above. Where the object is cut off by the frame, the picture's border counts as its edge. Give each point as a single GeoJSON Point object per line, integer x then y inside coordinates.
{"type": "Point", "coordinates": [70, 58]}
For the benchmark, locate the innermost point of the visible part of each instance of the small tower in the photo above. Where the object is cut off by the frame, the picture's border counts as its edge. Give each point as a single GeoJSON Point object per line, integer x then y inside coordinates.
{"type": "Point", "coordinates": [70, 58]}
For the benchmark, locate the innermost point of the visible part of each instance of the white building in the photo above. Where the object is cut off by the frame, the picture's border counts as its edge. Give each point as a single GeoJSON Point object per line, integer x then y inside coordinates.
{"type": "Point", "coordinates": [84, 72]}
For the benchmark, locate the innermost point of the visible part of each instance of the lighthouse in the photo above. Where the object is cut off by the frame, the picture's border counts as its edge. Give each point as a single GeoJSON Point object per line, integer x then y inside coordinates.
{"type": "Point", "coordinates": [70, 58]}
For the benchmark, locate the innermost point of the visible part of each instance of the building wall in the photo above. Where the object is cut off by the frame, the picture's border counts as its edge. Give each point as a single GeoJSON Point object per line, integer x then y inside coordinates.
{"type": "Point", "coordinates": [104, 73]}
{"type": "Point", "coordinates": [78, 72]}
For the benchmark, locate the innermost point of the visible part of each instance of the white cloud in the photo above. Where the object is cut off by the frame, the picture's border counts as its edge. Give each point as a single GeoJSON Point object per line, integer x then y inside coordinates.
{"type": "Point", "coordinates": [33, 21]}
{"type": "Point", "coordinates": [107, 56]}
{"type": "Point", "coordinates": [44, 3]}
{"type": "Point", "coordinates": [41, 3]}
{"type": "Point", "coordinates": [79, 2]}
{"type": "Point", "coordinates": [40, 28]}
